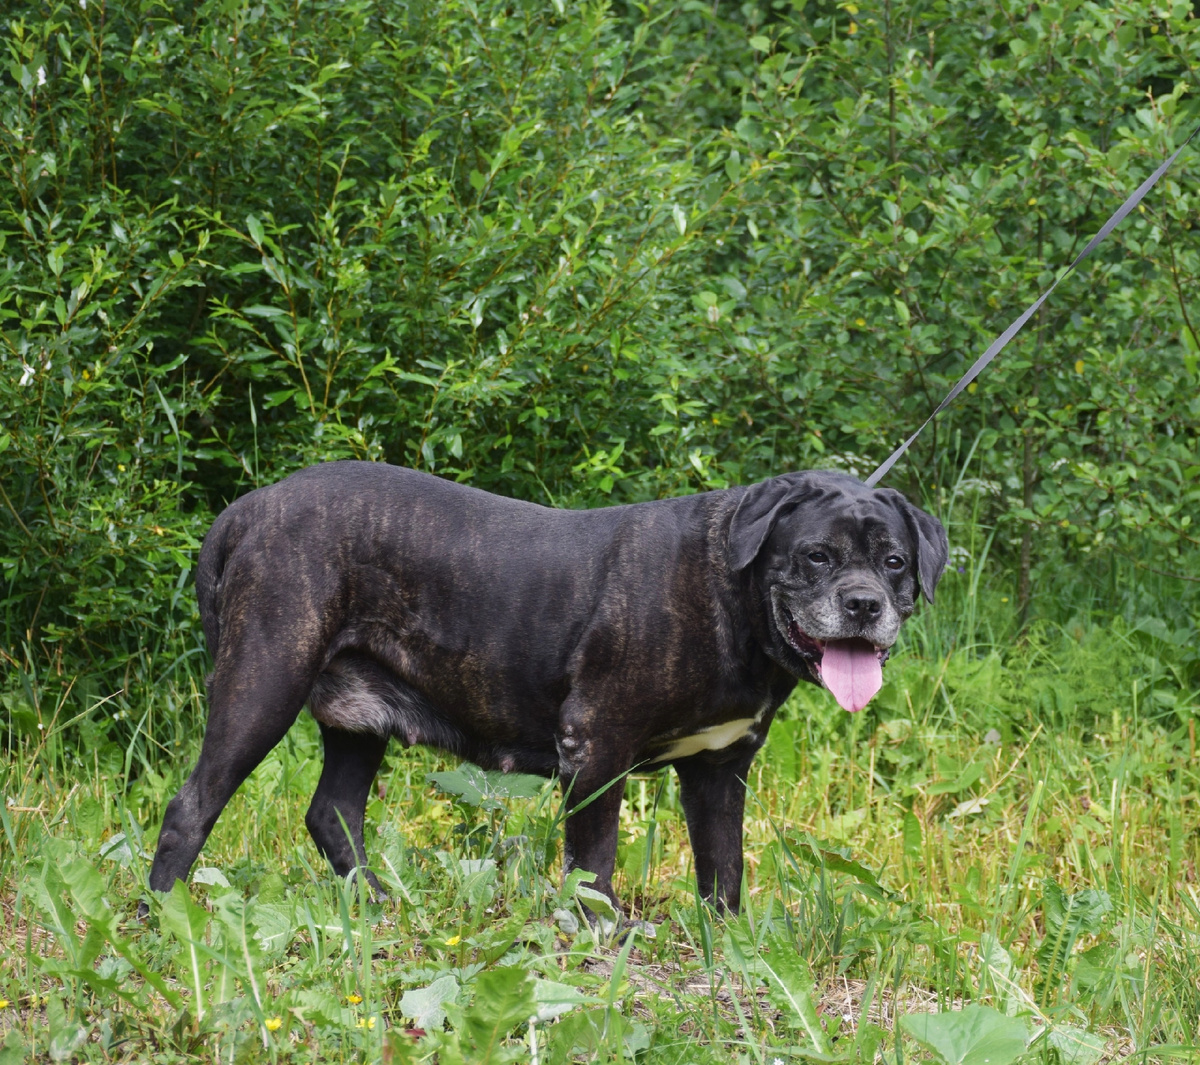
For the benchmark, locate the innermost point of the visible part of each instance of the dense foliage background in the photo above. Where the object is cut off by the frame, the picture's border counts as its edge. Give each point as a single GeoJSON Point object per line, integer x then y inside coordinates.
{"type": "Point", "coordinates": [585, 254]}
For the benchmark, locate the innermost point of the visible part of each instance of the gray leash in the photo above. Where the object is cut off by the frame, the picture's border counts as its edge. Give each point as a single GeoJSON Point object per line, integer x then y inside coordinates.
{"type": "Point", "coordinates": [999, 343]}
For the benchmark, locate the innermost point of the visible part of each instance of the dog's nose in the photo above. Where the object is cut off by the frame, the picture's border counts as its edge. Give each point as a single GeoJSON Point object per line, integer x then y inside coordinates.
{"type": "Point", "coordinates": [862, 604]}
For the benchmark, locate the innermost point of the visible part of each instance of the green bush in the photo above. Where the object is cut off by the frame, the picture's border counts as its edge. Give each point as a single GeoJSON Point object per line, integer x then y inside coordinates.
{"type": "Point", "coordinates": [580, 254]}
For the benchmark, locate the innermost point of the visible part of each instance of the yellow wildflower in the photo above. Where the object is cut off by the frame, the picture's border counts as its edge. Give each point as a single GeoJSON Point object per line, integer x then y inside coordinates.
{"type": "Point", "coordinates": [274, 1024]}
{"type": "Point", "coordinates": [366, 1022]}
{"type": "Point", "coordinates": [3, 1003]}
{"type": "Point", "coordinates": [1079, 365]}
{"type": "Point", "coordinates": [354, 1000]}
{"type": "Point", "coordinates": [860, 322]}
{"type": "Point", "coordinates": [453, 941]}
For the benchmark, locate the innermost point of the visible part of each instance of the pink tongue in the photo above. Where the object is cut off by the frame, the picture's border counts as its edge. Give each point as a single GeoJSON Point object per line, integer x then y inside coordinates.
{"type": "Point", "coordinates": [852, 671]}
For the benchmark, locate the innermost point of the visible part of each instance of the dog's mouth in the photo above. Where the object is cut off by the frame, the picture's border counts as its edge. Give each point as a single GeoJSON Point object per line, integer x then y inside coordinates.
{"type": "Point", "coordinates": [852, 669]}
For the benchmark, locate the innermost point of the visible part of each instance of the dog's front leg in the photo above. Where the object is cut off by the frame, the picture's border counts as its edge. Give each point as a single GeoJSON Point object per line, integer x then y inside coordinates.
{"type": "Point", "coordinates": [713, 794]}
{"type": "Point", "coordinates": [592, 770]}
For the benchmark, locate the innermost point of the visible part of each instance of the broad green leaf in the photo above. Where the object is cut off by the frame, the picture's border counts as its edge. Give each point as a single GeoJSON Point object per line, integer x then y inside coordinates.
{"type": "Point", "coordinates": [503, 1000]}
{"type": "Point", "coordinates": [210, 875]}
{"type": "Point", "coordinates": [1075, 1046]}
{"type": "Point", "coordinates": [426, 1005]}
{"type": "Point", "coordinates": [318, 1007]}
{"type": "Point", "coordinates": [87, 890]}
{"type": "Point", "coordinates": [596, 901]}
{"type": "Point", "coordinates": [974, 1035]}
{"type": "Point", "coordinates": [13, 1050]}
{"type": "Point", "coordinates": [554, 999]}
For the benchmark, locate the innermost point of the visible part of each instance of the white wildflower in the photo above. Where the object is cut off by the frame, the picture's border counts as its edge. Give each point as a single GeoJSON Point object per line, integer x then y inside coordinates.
{"type": "Point", "coordinates": [41, 75]}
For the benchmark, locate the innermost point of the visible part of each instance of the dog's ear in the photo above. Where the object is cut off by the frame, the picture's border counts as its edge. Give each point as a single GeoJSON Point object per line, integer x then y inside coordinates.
{"type": "Point", "coordinates": [757, 512]}
{"type": "Point", "coordinates": [933, 547]}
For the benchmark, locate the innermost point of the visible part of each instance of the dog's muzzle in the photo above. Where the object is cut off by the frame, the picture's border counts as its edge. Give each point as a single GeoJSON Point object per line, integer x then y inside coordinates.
{"type": "Point", "coordinates": [850, 667]}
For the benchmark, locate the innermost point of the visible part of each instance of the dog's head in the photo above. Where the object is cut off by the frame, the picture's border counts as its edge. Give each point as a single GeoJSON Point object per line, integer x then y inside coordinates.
{"type": "Point", "coordinates": [838, 567]}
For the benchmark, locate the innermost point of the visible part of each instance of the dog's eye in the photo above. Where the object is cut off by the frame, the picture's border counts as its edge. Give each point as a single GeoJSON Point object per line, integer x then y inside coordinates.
{"type": "Point", "coordinates": [818, 557]}
{"type": "Point", "coordinates": [894, 563]}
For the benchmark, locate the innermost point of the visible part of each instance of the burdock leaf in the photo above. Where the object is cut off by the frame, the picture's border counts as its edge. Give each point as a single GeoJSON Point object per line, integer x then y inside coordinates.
{"type": "Point", "coordinates": [975, 1035]}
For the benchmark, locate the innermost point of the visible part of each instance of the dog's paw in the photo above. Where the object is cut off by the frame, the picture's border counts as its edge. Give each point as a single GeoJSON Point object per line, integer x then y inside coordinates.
{"type": "Point", "coordinates": [637, 928]}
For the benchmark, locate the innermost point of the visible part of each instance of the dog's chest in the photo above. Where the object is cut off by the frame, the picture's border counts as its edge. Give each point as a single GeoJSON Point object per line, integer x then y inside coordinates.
{"type": "Point", "coordinates": [711, 738]}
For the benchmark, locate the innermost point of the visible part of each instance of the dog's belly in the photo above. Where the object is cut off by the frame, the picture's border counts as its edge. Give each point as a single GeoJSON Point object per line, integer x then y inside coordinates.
{"type": "Point", "coordinates": [356, 694]}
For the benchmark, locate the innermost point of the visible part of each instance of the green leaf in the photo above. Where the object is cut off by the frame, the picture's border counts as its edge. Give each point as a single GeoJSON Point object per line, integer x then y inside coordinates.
{"type": "Point", "coordinates": [13, 1050]}
{"type": "Point", "coordinates": [554, 999]}
{"type": "Point", "coordinates": [912, 837]}
{"type": "Point", "coordinates": [974, 1035]}
{"type": "Point", "coordinates": [67, 1035]}
{"type": "Point", "coordinates": [596, 901]}
{"type": "Point", "coordinates": [1075, 1046]}
{"type": "Point", "coordinates": [1066, 918]}
{"type": "Point", "coordinates": [1000, 971]}
{"type": "Point", "coordinates": [211, 876]}
{"type": "Point", "coordinates": [503, 999]}
{"type": "Point", "coordinates": [426, 1005]}
{"type": "Point", "coordinates": [813, 853]}
{"type": "Point", "coordinates": [790, 985]}
{"type": "Point", "coordinates": [254, 227]}
{"type": "Point", "coordinates": [187, 922]}
{"type": "Point", "coordinates": [317, 1007]}
{"type": "Point", "coordinates": [480, 787]}
{"type": "Point", "coordinates": [461, 782]}
{"type": "Point", "coordinates": [733, 171]}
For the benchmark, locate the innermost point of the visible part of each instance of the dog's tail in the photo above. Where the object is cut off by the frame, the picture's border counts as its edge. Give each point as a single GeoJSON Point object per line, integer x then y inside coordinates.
{"type": "Point", "coordinates": [210, 567]}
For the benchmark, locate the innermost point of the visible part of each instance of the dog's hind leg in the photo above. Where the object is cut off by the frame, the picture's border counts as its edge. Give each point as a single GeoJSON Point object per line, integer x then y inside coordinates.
{"type": "Point", "coordinates": [252, 703]}
{"type": "Point", "coordinates": [335, 817]}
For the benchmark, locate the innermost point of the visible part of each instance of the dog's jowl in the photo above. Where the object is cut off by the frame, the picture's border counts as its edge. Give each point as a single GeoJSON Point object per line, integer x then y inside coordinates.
{"type": "Point", "coordinates": [577, 643]}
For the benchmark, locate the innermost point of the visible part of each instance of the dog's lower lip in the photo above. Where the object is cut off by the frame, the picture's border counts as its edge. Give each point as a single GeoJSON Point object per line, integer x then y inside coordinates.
{"type": "Point", "coordinates": [803, 644]}
{"type": "Point", "coordinates": [813, 649]}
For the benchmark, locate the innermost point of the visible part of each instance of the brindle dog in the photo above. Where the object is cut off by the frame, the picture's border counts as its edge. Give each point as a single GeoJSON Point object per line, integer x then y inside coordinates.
{"type": "Point", "coordinates": [581, 643]}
